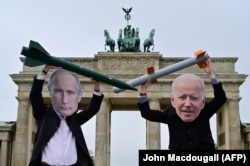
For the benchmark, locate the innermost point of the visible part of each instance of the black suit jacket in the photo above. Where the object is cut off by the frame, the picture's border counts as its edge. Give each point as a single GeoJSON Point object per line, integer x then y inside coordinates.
{"type": "Point", "coordinates": [188, 135]}
{"type": "Point", "coordinates": [48, 123]}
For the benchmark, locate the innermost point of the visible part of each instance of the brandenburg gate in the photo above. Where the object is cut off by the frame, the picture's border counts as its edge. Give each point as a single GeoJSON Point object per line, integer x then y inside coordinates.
{"type": "Point", "coordinates": [127, 64]}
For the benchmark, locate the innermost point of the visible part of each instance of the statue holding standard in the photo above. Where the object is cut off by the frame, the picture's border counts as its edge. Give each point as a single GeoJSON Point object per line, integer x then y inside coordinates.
{"type": "Point", "coordinates": [128, 39]}
{"type": "Point", "coordinates": [131, 40]}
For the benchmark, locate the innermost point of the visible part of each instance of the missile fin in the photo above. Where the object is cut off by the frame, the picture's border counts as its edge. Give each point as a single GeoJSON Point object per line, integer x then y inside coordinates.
{"type": "Point", "coordinates": [35, 46]}
{"type": "Point", "coordinates": [32, 62]}
{"type": "Point", "coordinates": [151, 71]}
{"type": "Point", "coordinates": [198, 54]}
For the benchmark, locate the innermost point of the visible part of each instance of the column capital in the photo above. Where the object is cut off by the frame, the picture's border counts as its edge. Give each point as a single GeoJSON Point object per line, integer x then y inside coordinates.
{"type": "Point", "coordinates": [23, 98]}
{"type": "Point", "coordinates": [151, 99]}
{"type": "Point", "coordinates": [235, 99]}
{"type": "Point", "coordinates": [5, 136]}
{"type": "Point", "coordinates": [106, 99]}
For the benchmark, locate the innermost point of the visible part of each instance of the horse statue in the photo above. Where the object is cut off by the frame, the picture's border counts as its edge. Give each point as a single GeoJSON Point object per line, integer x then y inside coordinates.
{"type": "Point", "coordinates": [120, 41]}
{"type": "Point", "coordinates": [109, 41]}
{"type": "Point", "coordinates": [149, 41]}
{"type": "Point", "coordinates": [137, 41]}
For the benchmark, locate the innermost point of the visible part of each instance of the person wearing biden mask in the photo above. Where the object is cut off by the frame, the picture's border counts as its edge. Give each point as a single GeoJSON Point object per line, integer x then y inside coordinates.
{"type": "Point", "coordinates": [188, 116]}
{"type": "Point", "coordinates": [59, 139]}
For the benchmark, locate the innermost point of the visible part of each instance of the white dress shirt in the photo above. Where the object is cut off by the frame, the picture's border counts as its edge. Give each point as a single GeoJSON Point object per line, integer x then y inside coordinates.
{"type": "Point", "coordinates": [61, 148]}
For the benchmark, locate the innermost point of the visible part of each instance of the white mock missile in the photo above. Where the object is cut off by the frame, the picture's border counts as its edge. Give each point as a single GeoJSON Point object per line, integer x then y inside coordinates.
{"type": "Point", "coordinates": [200, 58]}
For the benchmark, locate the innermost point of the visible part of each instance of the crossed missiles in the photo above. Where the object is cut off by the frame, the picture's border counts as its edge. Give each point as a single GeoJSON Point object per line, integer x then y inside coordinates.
{"type": "Point", "coordinates": [36, 55]}
{"type": "Point", "coordinates": [200, 57]}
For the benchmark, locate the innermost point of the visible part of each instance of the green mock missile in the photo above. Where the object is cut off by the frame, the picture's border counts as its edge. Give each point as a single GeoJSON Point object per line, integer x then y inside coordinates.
{"type": "Point", "coordinates": [36, 55]}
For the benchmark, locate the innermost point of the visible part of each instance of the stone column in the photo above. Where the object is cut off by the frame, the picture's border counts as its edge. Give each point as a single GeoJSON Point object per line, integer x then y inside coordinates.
{"type": "Point", "coordinates": [234, 124]}
{"type": "Point", "coordinates": [153, 135]}
{"type": "Point", "coordinates": [20, 150]}
{"type": "Point", "coordinates": [32, 127]}
{"type": "Point", "coordinates": [4, 152]}
{"type": "Point", "coordinates": [247, 138]}
{"type": "Point", "coordinates": [246, 134]}
{"type": "Point", "coordinates": [228, 128]}
{"type": "Point", "coordinates": [102, 148]}
{"type": "Point", "coordinates": [6, 140]}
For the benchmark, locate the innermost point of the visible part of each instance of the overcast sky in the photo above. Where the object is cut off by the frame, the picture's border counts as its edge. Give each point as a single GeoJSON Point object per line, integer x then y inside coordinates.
{"type": "Point", "coordinates": [75, 29]}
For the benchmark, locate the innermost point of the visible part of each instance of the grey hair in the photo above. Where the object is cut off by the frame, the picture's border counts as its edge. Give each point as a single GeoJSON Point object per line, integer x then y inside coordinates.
{"type": "Point", "coordinates": [189, 76]}
{"type": "Point", "coordinates": [59, 71]}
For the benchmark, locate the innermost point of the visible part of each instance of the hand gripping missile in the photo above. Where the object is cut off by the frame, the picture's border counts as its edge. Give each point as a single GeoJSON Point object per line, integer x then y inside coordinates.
{"type": "Point", "coordinates": [200, 58]}
{"type": "Point", "coordinates": [36, 55]}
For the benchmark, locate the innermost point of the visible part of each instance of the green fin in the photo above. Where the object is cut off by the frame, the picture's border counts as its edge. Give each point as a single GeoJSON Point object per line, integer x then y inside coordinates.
{"type": "Point", "coordinates": [36, 46]}
{"type": "Point", "coordinates": [32, 62]}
